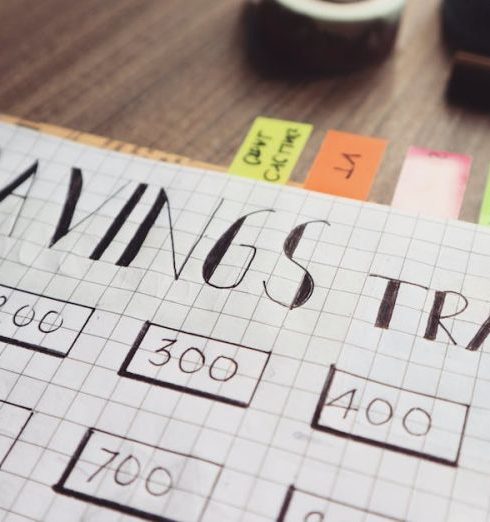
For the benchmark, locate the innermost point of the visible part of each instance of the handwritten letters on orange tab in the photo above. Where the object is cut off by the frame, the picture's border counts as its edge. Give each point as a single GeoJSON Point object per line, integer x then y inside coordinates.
{"type": "Point", "coordinates": [346, 165]}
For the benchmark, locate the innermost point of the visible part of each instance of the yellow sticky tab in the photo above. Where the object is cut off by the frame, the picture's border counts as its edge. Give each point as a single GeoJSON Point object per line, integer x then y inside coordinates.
{"type": "Point", "coordinates": [271, 149]}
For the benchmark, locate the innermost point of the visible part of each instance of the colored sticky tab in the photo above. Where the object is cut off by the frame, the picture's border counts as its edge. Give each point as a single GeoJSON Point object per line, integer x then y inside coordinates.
{"type": "Point", "coordinates": [485, 206]}
{"type": "Point", "coordinates": [346, 165]}
{"type": "Point", "coordinates": [271, 149]}
{"type": "Point", "coordinates": [432, 183]}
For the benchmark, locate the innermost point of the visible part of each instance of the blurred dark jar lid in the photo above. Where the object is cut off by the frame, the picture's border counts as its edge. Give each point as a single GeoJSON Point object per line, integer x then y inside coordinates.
{"type": "Point", "coordinates": [469, 83]}
{"type": "Point", "coordinates": [326, 35]}
{"type": "Point", "coordinates": [467, 25]}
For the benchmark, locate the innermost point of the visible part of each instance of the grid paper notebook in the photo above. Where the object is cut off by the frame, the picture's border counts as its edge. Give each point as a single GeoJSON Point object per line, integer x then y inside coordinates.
{"type": "Point", "coordinates": [182, 345]}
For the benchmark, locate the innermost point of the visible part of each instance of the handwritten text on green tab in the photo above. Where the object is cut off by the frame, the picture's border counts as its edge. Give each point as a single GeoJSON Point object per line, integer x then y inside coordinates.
{"type": "Point", "coordinates": [271, 149]}
{"type": "Point", "coordinates": [485, 206]}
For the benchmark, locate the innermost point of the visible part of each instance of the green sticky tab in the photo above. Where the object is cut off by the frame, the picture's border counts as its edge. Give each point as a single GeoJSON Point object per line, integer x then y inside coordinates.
{"type": "Point", "coordinates": [271, 149]}
{"type": "Point", "coordinates": [485, 206]}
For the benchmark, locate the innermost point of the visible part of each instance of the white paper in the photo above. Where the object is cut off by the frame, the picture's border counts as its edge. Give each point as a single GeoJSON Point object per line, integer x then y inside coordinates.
{"type": "Point", "coordinates": [273, 355]}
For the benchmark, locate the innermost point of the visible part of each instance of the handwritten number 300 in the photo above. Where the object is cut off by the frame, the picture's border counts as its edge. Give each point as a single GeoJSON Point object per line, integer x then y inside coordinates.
{"type": "Point", "coordinates": [164, 353]}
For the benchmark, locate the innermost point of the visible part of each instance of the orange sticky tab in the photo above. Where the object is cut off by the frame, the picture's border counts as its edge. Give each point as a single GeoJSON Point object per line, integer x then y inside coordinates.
{"type": "Point", "coordinates": [346, 165]}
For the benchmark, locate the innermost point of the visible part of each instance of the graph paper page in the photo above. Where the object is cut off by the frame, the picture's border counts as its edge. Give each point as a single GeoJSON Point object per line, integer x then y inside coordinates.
{"type": "Point", "coordinates": [182, 345]}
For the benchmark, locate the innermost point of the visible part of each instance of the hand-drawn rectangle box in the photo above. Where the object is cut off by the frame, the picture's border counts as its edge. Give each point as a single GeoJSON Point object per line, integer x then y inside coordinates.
{"type": "Point", "coordinates": [40, 323]}
{"type": "Point", "coordinates": [138, 479]}
{"type": "Point", "coordinates": [299, 506]}
{"type": "Point", "coordinates": [13, 420]}
{"type": "Point", "coordinates": [390, 417]}
{"type": "Point", "coordinates": [195, 364]}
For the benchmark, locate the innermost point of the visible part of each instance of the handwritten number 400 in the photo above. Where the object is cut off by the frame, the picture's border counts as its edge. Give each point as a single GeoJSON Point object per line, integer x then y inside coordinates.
{"type": "Point", "coordinates": [216, 370]}
{"type": "Point", "coordinates": [416, 421]}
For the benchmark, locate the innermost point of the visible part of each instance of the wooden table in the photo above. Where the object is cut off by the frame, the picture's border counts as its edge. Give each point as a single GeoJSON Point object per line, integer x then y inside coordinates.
{"type": "Point", "coordinates": [175, 74]}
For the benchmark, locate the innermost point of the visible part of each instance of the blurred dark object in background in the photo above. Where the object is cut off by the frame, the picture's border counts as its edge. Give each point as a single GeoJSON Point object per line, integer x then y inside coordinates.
{"type": "Point", "coordinates": [466, 25]}
{"type": "Point", "coordinates": [469, 84]}
{"type": "Point", "coordinates": [288, 39]}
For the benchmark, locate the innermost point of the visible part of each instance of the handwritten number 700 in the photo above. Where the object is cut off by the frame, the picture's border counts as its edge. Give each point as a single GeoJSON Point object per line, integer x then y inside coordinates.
{"type": "Point", "coordinates": [126, 477]}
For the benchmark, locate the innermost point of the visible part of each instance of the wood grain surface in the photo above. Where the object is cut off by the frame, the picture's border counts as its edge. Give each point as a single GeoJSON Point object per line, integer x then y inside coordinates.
{"type": "Point", "coordinates": [176, 75]}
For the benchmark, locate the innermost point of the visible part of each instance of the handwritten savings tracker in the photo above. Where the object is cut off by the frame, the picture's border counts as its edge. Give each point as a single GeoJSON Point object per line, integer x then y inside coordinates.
{"type": "Point", "coordinates": [177, 344]}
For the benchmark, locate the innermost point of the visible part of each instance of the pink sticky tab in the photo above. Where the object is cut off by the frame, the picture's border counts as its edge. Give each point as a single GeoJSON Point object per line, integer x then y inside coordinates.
{"type": "Point", "coordinates": [432, 183]}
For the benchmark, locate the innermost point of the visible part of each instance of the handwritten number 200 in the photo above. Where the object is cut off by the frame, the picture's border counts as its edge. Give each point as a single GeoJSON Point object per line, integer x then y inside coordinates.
{"type": "Point", "coordinates": [199, 362]}
{"type": "Point", "coordinates": [24, 316]}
